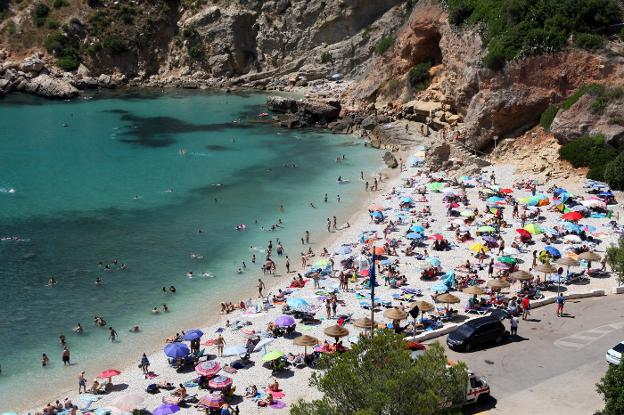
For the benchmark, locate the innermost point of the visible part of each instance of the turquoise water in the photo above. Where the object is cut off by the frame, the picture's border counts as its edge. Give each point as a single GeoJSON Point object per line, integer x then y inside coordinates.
{"type": "Point", "coordinates": [90, 180]}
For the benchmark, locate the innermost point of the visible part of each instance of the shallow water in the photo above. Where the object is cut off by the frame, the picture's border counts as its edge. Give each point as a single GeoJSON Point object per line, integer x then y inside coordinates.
{"type": "Point", "coordinates": [92, 182]}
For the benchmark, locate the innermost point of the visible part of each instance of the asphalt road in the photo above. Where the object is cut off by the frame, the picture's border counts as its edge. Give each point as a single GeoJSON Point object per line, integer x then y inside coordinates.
{"type": "Point", "coordinates": [554, 363]}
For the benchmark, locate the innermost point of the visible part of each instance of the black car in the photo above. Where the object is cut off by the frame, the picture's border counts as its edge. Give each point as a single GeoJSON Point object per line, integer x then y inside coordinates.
{"type": "Point", "coordinates": [476, 332]}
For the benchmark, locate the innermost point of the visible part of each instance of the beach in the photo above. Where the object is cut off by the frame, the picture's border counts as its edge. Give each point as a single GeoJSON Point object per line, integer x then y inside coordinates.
{"type": "Point", "coordinates": [294, 383]}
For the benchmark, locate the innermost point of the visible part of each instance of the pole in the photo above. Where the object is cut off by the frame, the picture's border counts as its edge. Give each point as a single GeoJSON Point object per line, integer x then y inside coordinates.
{"type": "Point", "coordinates": [372, 284]}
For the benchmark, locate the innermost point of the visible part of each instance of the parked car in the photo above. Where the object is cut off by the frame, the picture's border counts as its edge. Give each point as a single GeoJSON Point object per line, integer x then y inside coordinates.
{"type": "Point", "coordinates": [614, 354]}
{"type": "Point", "coordinates": [477, 332]}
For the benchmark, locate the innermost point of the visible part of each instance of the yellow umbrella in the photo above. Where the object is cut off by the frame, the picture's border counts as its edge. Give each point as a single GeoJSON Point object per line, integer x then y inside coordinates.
{"type": "Point", "coordinates": [478, 247]}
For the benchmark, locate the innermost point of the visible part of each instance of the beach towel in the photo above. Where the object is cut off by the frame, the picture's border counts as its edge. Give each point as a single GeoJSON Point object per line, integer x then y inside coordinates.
{"type": "Point", "coordinates": [151, 375]}
{"type": "Point", "coordinates": [276, 395]}
{"type": "Point", "coordinates": [279, 405]}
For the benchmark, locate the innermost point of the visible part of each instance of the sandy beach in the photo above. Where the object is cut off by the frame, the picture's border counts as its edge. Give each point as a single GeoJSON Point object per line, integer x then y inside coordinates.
{"type": "Point", "coordinates": [294, 382]}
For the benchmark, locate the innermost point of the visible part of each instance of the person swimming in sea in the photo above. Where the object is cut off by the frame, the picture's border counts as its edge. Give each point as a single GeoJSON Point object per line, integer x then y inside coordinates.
{"type": "Point", "coordinates": [78, 329]}
{"type": "Point", "coordinates": [165, 308]}
{"type": "Point", "coordinates": [98, 281]}
{"type": "Point", "coordinates": [172, 289]}
{"type": "Point", "coordinates": [51, 281]}
{"type": "Point", "coordinates": [189, 274]}
{"type": "Point", "coordinates": [155, 310]}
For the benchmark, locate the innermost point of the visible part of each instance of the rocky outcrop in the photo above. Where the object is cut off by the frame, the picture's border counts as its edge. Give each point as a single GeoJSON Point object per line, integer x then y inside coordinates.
{"type": "Point", "coordinates": [306, 112]}
{"type": "Point", "coordinates": [580, 119]}
{"type": "Point", "coordinates": [49, 87]}
{"type": "Point", "coordinates": [281, 104]}
{"type": "Point", "coordinates": [390, 160]}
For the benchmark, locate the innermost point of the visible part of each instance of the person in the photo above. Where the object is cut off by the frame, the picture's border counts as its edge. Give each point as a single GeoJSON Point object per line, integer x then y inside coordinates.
{"type": "Point", "coordinates": [181, 391]}
{"type": "Point", "coordinates": [78, 329]}
{"type": "Point", "coordinates": [220, 342]}
{"type": "Point", "coordinates": [514, 325]}
{"type": "Point", "coordinates": [260, 287]}
{"type": "Point", "coordinates": [82, 382]}
{"type": "Point", "coordinates": [526, 307]}
{"type": "Point", "coordinates": [287, 265]}
{"type": "Point", "coordinates": [560, 303]}
{"type": "Point", "coordinates": [112, 334]}
{"type": "Point", "coordinates": [165, 308]}
{"type": "Point", "coordinates": [251, 391]}
{"type": "Point", "coordinates": [44, 360]}
{"type": "Point", "coordinates": [144, 364]}
{"type": "Point", "coordinates": [328, 307]}
{"type": "Point", "coordinates": [65, 356]}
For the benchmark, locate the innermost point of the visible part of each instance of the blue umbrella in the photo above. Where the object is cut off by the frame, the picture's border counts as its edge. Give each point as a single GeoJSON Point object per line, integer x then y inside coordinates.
{"type": "Point", "coordinates": [296, 302]}
{"type": "Point", "coordinates": [193, 334]}
{"type": "Point", "coordinates": [554, 252]}
{"type": "Point", "coordinates": [558, 191]}
{"type": "Point", "coordinates": [417, 228]}
{"type": "Point", "coordinates": [177, 350]}
{"type": "Point", "coordinates": [494, 199]}
{"type": "Point", "coordinates": [234, 350]}
{"type": "Point", "coordinates": [414, 235]}
{"type": "Point", "coordinates": [439, 288]}
{"type": "Point", "coordinates": [407, 200]}
{"type": "Point", "coordinates": [166, 409]}
{"type": "Point", "coordinates": [550, 231]}
{"type": "Point", "coordinates": [433, 261]}
{"type": "Point", "coordinates": [377, 214]}
{"type": "Point", "coordinates": [571, 227]}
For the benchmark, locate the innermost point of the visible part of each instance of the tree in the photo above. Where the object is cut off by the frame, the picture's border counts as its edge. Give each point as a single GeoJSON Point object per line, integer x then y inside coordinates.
{"type": "Point", "coordinates": [615, 258]}
{"type": "Point", "coordinates": [378, 376]}
{"type": "Point", "coordinates": [614, 172]}
{"type": "Point", "coordinates": [611, 386]}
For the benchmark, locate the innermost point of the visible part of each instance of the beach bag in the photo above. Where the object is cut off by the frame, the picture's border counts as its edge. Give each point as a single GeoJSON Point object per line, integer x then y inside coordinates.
{"type": "Point", "coordinates": [152, 388]}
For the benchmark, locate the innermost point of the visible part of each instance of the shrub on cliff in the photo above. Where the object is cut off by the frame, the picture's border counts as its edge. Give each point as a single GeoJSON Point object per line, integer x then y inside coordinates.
{"type": "Point", "coordinates": [518, 28]}
{"type": "Point", "coordinates": [418, 76]}
{"type": "Point", "coordinates": [65, 48]}
{"type": "Point", "coordinates": [548, 116]}
{"type": "Point", "coordinates": [589, 151]}
{"type": "Point", "coordinates": [384, 44]}
{"type": "Point", "coordinates": [39, 13]}
{"type": "Point", "coordinates": [614, 173]}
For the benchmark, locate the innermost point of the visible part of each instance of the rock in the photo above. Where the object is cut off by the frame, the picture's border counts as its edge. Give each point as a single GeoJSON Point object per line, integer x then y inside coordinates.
{"type": "Point", "coordinates": [316, 111]}
{"type": "Point", "coordinates": [281, 104]}
{"type": "Point", "coordinates": [438, 155]}
{"type": "Point", "coordinates": [342, 126]}
{"type": "Point", "coordinates": [83, 70]}
{"type": "Point", "coordinates": [46, 86]}
{"type": "Point", "coordinates": [369, 123]}
{"type": "Point", "coordinates": [32, 64]}
{"type": "Point", "coordinates": [290, 121]}
{"type": "Point", "coordinates": [104, 80]}
{"type": "Point", "coordinates": [390, 160]}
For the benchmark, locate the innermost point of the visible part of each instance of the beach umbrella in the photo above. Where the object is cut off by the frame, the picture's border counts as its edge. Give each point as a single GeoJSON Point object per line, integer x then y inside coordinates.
{"type": "Point", "coordinates": [494, 199]}
{"type": "Point", "coordinates": [506, 190]}
{"type": "Point", "coordinates": [128, 401]}
{"type": "Point", "coordinates": [193, 334]}
{"type": "Point", "coordinates": [336, 331]}
{"type": "Point", "coordinates": [417, 228]}
{"type": "Point", "coordinates": [439, 288]}
{"type": "Point", "coordinates": [262, 343]}
{"type": "Point", "coordinates": [407, 199]}
{"type": "Point", "coordinates": [109, 373]}
{"type": "Point", "coordinates": [379, 250]}
{"type": "Point", "coordinates": [521, 275]}
{"type": "Point", "coordinates": [497, 283]}
{"type": "Point", "coordinates": [424, 306]}
{"type": "Point", "coordinates": [554, 252]}
{"type": "Point", "coordinates": [234, 351]}
{"type": "Point", "coordinates": [395, 313]}
{"type": "Point", "coordinates": [306, 340]}
{"type": "Point", "coordinates": [209, 367]}
{"type": "Point", "coordinates": [568, 262]}
{"type": "Point", "coordinates": [486, 229]}
{"type": "Point", "coordinates": [489, 239]}
{"type": "Point", "coordinates": [177, 350]}
{"type": "Point", "coordinates": [214, 400]}
{"type": "Point", "coordinates": [272, 355]}
{"type": "Point", "coordinates": [435, 186]}
{"type": "Point", "coordinates": [436, 236]}
{"type": "Point", "coordinates": [550, 231]}
{"type": "Point", "coordinates": [166, 409]}
{"type": "Point", "coordinates": [377, 215]}
{"type": "Point", "coordinates": [284, 321]}
{"type": "Point", "coordinates": [363, 323]}
{"type": "Point", "coordinates": [447, 298]}
{"type": "Point", "coordinates": [545, 268]}
{"type": "Point", "coordinates": [533, 229]}
{"type": "Point", "coordinates": [501, 265]}
{"type": "Point", "coordinates": [220, 382]}
{"type": "Point", "coordinates": [433, 261]}
{"type": "Point", "coordinates": [414, 235]}
{"type": "Point", "coordinates": [523, 233]}
{"type": "Point", "coordinates": [297, 303]}
{"type": "Point", "coordinates": [375, 207]}
{"type": "Point", "coordinates": [590, 256]}
{"type": "Point", "coordinates": [473, 289]}
{"type": "Point", "coordinates": [478, 247]}
{"type": "Point", "coordinates": [507, 260]}
{"type": "Point", "coordinates": [467, 213]}
{"type": "Point", "coordinates": [344, 250]}
{"type": "Point", "coordinates": [573, 216]}
{"type": "Point", "coordinates": [322, 263]}
{"type": "Point", "coordinates": [573, 239]}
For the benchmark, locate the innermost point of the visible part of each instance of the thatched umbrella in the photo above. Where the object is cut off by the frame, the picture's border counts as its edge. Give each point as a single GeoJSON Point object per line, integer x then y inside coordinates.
{"type": "Point", "coordinates": [473, 289]}
{"type": "Point", "coordinates": [363, 323]}
{"type": "Point", "coordinates": [546, 268]}
{"type": "Point", "coordinates": [567, 262]}
{"type": "Point", "coordinates": [498, 283]}
{"type": "Point", "coordinates": [590, 256]}
{"type": "Point", "coordinates": [336, 332]}
{"type": "Point", "coordinates": [424, 306]}
{"type": "Point", "coordinates": [306, 341]}
{"type": "Point", "coordinates": [521, 275]}
{"type": "Point", "coordinates": [447, 298]}
{"type": "Point", "coordinates": [395, 314]}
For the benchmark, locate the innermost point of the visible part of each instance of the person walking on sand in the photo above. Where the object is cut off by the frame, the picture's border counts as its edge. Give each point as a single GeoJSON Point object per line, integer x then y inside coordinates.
{"type": "Point", "coordinates": [334, 223]}
{"type": "Point", "coordinates": [220, 342]}
{"type": "Point", "coordinates": [328, 307]}
{"type": "Point", "coordinates": [560, 304]}
{"type": "Point", "coordinates": [82, 383]}
{"type": "Point", "coordinates": [307, 237]}
{"type": "Point", "coordinates": [287, 265]}
{"type": "Point", "coordinates": [260, 287]}
{"type": "Point", "coordinates": [144, 364]}
{"type": "Point", "coordinates": [112, 334]}
{"type": "Point", "coordinates": [526, 307]}
{"type": "Point", "coordinates": [514, 325]}
{"type": "Point", "coordinates": [65, 356]}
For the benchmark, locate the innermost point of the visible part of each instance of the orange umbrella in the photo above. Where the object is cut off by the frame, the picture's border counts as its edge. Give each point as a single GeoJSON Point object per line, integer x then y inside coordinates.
{"type": "Point", "coordinates": [379, 250]}
{"type": "Point", "coordinates": [109, 373]}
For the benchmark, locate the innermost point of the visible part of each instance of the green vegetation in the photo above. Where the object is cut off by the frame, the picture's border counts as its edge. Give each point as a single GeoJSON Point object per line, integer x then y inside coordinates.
{"type": "Point", "coordinates": [611, 385]}
{"type": "Point", "coordinates": [40, 13]}
{"type": "Point", "coordinates": [614, 176]}
{"type": "Point", "coordinates": [326, 57]}
{"type": "Point", "coordinates": [384, 44]}
{"type": "Point", "coordinates": [588, 151]}
{"type": "Point", "coordinates": [114, 44]}
{"type": "Point", "coordinates": [589, 41]}
{"type": "Point", "coordinates": [53, 24]}
{"type": "Point", "coordinates": [418, 76]}
{"type": "Point", "coordinates": [572, 99]}
{"type": "Point", "coordinates": [518, 28]}
{"type": "Point", "coordinates": [189, 32]}
{"type": "Point", "coordinates": [274, 60]}
{"type": "Point", "coordinates": [57, 4]}
{"type": "Point", "coordinates": [604, 95]}
{"type": "Point", "coordinates": [378, 376]}
{"type": "Point", "coordinates": [65, 48]}
{"type": "Point", "coordinates": [196, 52]}
{"type": "Point", "coordinates": [548, 116]}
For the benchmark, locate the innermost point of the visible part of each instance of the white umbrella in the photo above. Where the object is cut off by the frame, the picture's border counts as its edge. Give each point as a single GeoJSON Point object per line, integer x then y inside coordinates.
{"type": "Point", "coordinates": [128, 401]}
{"type": "Point", "coordinates": [262, 343]}
{"type": "Point", "coordinates": [573, 239]}
{"type": "Point", "coordinates": [361, 263]}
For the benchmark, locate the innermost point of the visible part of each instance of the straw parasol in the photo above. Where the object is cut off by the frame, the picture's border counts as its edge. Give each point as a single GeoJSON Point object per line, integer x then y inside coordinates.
{"type": "Point", "coordinates": [546, 268]}
{"type": "Point", "coordinates": [336, 331]}
{"type": "Point", "coordinates": [363, 323]}
{"type": "Point", "coordinates": [424, 306]}
{"type": "Point", "coordinates": [567, 262]}
{"type": "Point", "coordinates": [306, 340]}
{"type": "Point", "coordinates": [395, 313]}
{"type": "Point", "coordinates": [497, 283]}
{"type": "Point", "coordinates": [590, 256]}
{"type": "Point", "coordinates": [473, 289]}
{"type": "Point", "coordinates": [521, 275]}
{"type": "Point", "coordinates": [128, 401]}
{"type": "Point", "coordinates": [447, 298]}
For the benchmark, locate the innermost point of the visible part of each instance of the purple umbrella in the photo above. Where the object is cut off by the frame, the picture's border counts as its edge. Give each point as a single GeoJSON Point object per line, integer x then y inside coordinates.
{"type": "Point", "coordinates": [284, 321]}
{"type": "Point", "coordinates": [500, 265]}
{"type": "Point", "coordinates": [220, 382]}
{"type": "Point", "coordinates": [166, 409]}
{"type": "Point", "coordinates": [489, 239]}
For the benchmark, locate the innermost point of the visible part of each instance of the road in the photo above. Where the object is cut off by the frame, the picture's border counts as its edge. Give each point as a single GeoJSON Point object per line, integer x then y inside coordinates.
{"type": "Point", "coordinates": [554, 363]}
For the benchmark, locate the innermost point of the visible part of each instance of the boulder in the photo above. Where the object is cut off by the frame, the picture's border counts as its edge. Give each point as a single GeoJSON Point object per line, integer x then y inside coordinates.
{"type": "Point", "coordinates": [46, 86]}
{"type": "Point", "coordinates": [281, 104]}
{"type": "Point", "coordinates": [315, 111]}
{"type": "Point", "coordinates": [438, 155]}
{"type": "Point", "coordinates": [390, 160]}
{"type": "Point", "coordinates": [83, 70]}
{"type": "Point", "coordinates": [369, 122]}
{"type": "Point", "coordinates": [342, 126]}
{"type": "Point", "coordinates": [32, 64]}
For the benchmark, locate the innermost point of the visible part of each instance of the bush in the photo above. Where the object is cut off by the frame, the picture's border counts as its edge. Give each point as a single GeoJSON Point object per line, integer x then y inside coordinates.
{"type": "Point", "coordinates": [274, 60]}
{"type": "Point", "coordinates": [196, 52]}
{"type": "Point", "coordinates": [114, 44]}
{"type": "Point", "coordinates": [589, 151]}
{"type": "Point", "coordinates": [614, 174]}
{"type": "Point", "coordinates": [53, 24]}
{"type": "Point", "coordinates": [41, 10]}
{"type": "Point", "coordinates": [188, 32]}
{"type": "Point", "coordinates": [418, 76]}
{"type": "Point", "coordinates": [384, 44]}
{"type": "Point", "coordinates": [57, 4]}
{"type": "Point", "coordinates": [65, 48]}
{"type": "Point", "coordinates": [589, 41]}
{"type": "Point", "coordinates": [610, 385]}
{"type": "Point", "coordinates": [616, 119]}
{"type": "Point", "coordinates": [326, 57]}
{"type": "Point", "coordinates": [68, 63]}
{"type": "Point", "coordinates": [126, 14]}
{"type": "Point", "coordinates": [572, 99]}
{"type": "Point", "coordinates": [548, 116]}
{"type": "Point", "coordinates": [604, 96]}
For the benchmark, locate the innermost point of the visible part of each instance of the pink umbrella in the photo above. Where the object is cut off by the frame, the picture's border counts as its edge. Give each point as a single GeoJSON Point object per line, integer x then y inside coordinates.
{"type": "Point", "coordinates": [500, 265]}
{"type": "Point", "coordinates": [214, 400]}
{"type": "Point", "coordinates": [220, 382]}
{"type": "Point", "coordinates": [208, 368]}
{"type": "Point", "coordinates": [436, 236]}
{"type": "Point", "coordinates": [109, 373]}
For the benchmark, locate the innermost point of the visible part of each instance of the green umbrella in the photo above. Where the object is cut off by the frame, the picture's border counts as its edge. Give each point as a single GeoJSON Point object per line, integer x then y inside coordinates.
{"type": "Point", "coordinates": [486, 229]}
{"type": "Point", "coordinates": [322, 263]}
{"type": "Point", "coordinates": [507, 260]}
{"type": "Point", "coordinates": [533, 229]}
{"type": "Point", "coordinates": [435, 186]}
{"type": "Point", "coordinates": [467, 213]}
{"type": "Point", "coordinates": [272, 355]}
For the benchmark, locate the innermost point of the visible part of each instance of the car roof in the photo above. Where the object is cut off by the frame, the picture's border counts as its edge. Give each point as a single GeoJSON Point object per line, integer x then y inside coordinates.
{"type": "Point", "coordinates": [477, 322]}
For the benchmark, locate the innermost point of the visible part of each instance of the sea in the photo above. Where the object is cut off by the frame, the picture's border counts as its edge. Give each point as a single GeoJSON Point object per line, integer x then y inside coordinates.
{"type": "Point", "coordinates": [140, 189]}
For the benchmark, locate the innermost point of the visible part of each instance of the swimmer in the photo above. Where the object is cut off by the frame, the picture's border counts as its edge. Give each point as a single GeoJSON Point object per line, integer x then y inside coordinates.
{"type": "Point", "coordinates": [98, 281]}
{"type": "Point", "coordinates": [136, 197]}
{"type": "Point", "coordinates": [170, 190]}
{"type": "Point", "coordinates": [172, 289]}
{"type": "Point", "coordinates": [134, 329]}
{"type": "Point", "coordinates": [208, 275]}
{"type": "Point", "coordinates": [51, 282]}
{"type": "Point", "coordinates": [78, 329]}
{"type": "Point", "coordinates": [155, 310]}
{"type": "Point", "coordinates": [239, 271]}
{"type": "Point", "coordinates": [189, 274]}
{"type": "Point", "coordinates": [165, 308]}
{"type": "Point", "coordinates": [65, 125]}
{"type": "Point", "coordinates": [312, 205]}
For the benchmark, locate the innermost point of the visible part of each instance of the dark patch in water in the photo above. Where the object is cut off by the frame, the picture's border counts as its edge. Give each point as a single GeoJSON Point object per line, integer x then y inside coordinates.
{"type": "Point", "coordinates": [217, 147]}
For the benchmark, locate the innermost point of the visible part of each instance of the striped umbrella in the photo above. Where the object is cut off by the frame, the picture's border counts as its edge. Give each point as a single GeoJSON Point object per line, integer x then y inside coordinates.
{"type": "Point", "coordinates": [220, 382]}
{"type": "Point", "coordinates": [208, 368]}
{"type": "Point", "coordinates": [214, 400]}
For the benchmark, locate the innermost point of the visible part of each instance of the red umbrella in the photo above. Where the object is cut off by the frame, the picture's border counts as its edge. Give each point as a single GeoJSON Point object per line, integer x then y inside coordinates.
{"type": "Point", "coordinates": [109, 373]}
{"type": "Point", "coordinates": [506, 191]}
{"type": "Point", "coordinates": [214, 400]}
{"type": "Point", "coordinates": [436, 236]}
{"type": "Point", "coordinates": [208, 368]}
{"type": "Point", "coordinates": [524, 233]}
{"type": "Point", "coordinates": [572, 216]}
